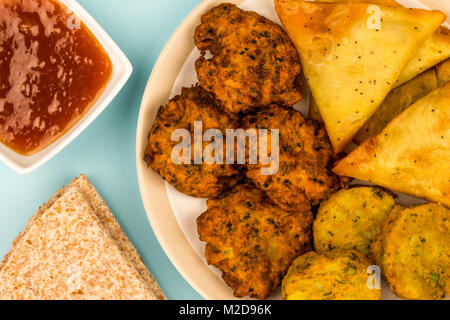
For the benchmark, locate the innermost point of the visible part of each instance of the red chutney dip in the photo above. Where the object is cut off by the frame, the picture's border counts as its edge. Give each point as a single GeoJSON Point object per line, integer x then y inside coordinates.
{"type": "Point", "coordinates": [52, 70]}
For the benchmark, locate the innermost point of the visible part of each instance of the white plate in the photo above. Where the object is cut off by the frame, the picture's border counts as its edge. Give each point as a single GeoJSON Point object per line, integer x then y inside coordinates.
{"type": "Point", "coordinates": [172, 214]}
{"type": "Point", "coordinates": [122, 70]}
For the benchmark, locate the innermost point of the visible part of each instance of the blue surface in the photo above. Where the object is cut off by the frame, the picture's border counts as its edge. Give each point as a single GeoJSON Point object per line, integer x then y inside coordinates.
{"type": "Point", "coordinates": [106, 150]}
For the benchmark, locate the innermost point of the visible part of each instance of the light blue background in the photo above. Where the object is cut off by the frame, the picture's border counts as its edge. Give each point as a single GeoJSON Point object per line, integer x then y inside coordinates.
{"type": "Point", "coordinates": [106, 150]}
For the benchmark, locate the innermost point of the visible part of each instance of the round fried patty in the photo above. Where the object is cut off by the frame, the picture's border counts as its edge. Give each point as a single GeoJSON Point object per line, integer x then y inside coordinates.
{"type": "Point", "coordinates": [252, 241]}
{"type": "Point", "coordinates": [351, 219]}
{"type": "Point", "coordinates": [330, 276]}
{"type": "Point", "coordinates": [303, 178]}
{"type": "Point", "coordinates": [254, 62]}
{"type": "Point", "coordinates": [377, 246]}
{"type": "Point", "coordinates": [197, 180]}
{"type": "Point", "coordinates": [416, 253]}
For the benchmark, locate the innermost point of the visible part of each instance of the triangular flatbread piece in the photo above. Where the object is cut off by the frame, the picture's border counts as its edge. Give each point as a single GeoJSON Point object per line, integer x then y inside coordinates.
{"type": "Point", "coordinates": [411, 154]}
{"type": "Point", "coordinates": [350, 61]}
{"type": "Point", "coordinates": [68, 251]}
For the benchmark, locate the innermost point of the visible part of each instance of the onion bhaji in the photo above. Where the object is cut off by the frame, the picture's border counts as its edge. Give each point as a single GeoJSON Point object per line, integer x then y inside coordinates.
{"type": "Point", "coordinates": [254, 62]}
{"type": "Point", "coordinates": [252, 241]}
{"type": "Point", "coordinates": [304, 178]}
{"type": "Point", "coordinates": [331, 276]}
{"type": "Point", "coordinates": [197, 180]}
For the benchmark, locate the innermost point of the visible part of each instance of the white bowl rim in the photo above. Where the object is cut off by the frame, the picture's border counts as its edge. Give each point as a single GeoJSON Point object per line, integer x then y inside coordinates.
{"type": "Point", "coordinates": [122, 70]}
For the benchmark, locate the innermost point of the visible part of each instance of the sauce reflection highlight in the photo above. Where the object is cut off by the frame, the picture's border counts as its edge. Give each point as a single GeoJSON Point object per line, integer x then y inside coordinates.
{"type": "Point", "coordinates": [52, 70]}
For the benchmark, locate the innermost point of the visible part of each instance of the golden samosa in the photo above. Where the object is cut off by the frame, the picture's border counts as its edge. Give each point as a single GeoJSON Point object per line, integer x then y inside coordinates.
{"type": "Point", "coordinates": [433, 51]}
{"type": "Point", "coordinates": [352, 54]}
{"type": "Point", "coordinates": [396, 102]}
{"type": "Point", "coordinates": [411, 155]}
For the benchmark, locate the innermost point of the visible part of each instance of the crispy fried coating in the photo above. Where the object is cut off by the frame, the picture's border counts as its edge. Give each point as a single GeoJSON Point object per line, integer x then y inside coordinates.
{"type": "Point", "coordinates": [351, 219]}
{"type": "Point", "coordinates": [252, 241]}
{"type": "Point", "coordinates": [197, 180]}
{"type": "Point", "coordinates": [416, 253]}
{"type": "Point", "coordinates": [254, 62]}
{"type": "Point", "coordinates": [303, 178]}
{"type": "Point", "coordinates": [377, 246]}
{"type": "Point", "coordinates": [330, 276]}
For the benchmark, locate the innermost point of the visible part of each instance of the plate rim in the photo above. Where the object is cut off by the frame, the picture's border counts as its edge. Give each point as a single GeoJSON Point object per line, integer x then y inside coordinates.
{"type": "Point", "coordinates": [161, 217]}
{"type": "Point", "coordinates": [177, 248]}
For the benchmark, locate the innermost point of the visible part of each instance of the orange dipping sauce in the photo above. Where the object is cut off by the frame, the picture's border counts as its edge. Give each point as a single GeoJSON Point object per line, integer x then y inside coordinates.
{"type": "Point", "coordinates": [52, 70]}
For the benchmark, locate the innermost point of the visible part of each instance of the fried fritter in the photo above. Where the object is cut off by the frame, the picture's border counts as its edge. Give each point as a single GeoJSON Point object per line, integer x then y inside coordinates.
{"type": "Point", "coordinates": [254, 62]}
{"type": "Point", "coordinates": [330, 276]}
{"type": "Point", "coordinates": [197, 180]}
{"type": "Point", "coordinates": [416, 253]}
{"type": "Point", "coordinates": [351, 219]}
{"type": "Point", "coordinates": [252, 241]}
{"type": "Point", "coordinates": [303, 178]}
{"type": "Point", "coordinates": [377, 246]}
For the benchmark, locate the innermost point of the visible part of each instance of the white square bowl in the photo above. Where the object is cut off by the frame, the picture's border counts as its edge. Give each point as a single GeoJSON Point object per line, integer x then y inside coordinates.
{"type": "Point", "coordinates": [122, 70]}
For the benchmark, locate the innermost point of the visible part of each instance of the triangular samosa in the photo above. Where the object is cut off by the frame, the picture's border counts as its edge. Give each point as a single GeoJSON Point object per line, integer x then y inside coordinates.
{"type": "Point", "coordinates": [411, 154]}
{"type": "Point", "coordinates": [350, 62]}
{"type": "Point", "coordinates": [433, 51]}
{"type": "Point", "coordinates": [443, 72]}
{"type": "Point", "coordinates": [395, 103]}
{"type": "Point", "coordinates": [391, 3]}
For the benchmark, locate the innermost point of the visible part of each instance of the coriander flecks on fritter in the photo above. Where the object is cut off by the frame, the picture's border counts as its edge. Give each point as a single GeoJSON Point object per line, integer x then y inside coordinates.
{"type": "Point", "coordinates": [254, 62]}
{"type": "Point", "coordinates": [351, 219]}
{"type": "Point", "coordinates": [330, 276]}
{"type": "Point", "coordinates": [197, 180]}
{"type": "Point", "coordinates": [303, 179]}
{"type": "Point", "coordinates": [377, 246]}
{"type": "Point", "coordinates": [252, 241]}
{"type": "Point", "coordinates": [416, 253]}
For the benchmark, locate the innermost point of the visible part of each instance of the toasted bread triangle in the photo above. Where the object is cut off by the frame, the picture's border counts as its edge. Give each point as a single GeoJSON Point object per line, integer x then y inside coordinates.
{"type": "Point", "coordinates": [74, 248]}
{"type": "Point", "coordinates": [350, 64]}
{"type": "Point", "coordinates": [411, 155]}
